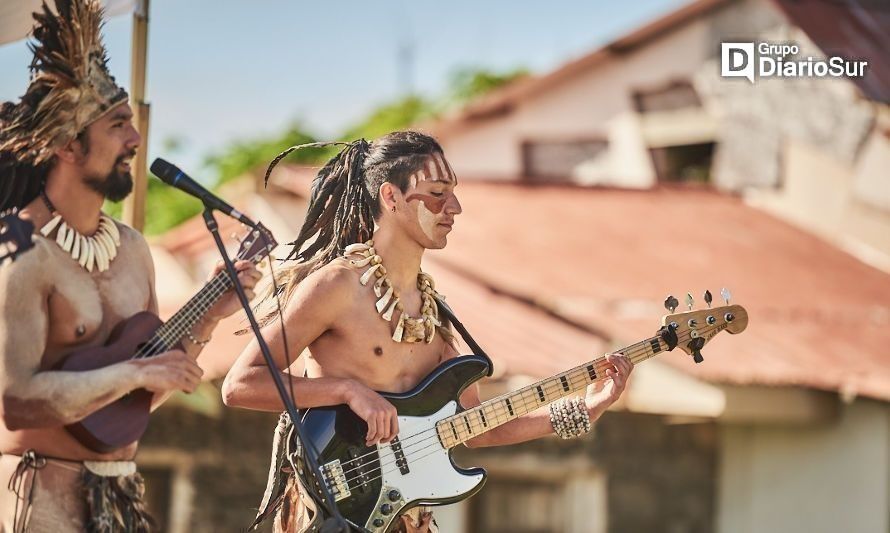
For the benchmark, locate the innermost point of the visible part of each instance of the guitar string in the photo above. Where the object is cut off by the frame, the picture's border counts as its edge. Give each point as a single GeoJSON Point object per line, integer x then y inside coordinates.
{"type": "Point", "coordinates": [524, 401]}
{"type": "Point", "coordinates": [414, 459]}
{"type": "Point", "coordinates": [205, 299]}
{"type": "Point", "coordinates": [634, 350]}
{"type": "Point", "coordinates": [166, 338]}
{"type": "Point", "coordinates": [635, 357]}
{"type": "Point", "coordinates": [600, 363]}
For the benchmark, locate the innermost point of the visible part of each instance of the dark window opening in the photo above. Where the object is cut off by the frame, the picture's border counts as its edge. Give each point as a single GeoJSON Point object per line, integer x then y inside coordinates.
{"type": "Point", "coordinates": [689, 163]}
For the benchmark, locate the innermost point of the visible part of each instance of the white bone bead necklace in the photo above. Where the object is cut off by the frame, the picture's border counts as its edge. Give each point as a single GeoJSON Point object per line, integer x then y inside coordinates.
{"type": "Point", "coordinates": [96, 251]}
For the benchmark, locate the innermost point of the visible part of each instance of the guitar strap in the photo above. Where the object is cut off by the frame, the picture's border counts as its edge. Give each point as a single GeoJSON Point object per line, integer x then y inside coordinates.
{"type": "Point", "coordinates": [449, 315]}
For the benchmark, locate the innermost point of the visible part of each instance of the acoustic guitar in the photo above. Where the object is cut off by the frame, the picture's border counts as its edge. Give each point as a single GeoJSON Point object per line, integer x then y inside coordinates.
{"type": "Point", "coordinates": [123, 421]}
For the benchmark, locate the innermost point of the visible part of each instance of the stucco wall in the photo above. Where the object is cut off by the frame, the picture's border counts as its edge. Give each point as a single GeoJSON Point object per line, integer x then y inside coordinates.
{"type": "Point", "coordinates": [810, 479]}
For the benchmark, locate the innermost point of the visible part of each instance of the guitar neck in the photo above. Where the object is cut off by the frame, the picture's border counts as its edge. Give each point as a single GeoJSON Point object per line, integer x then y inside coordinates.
{"type": "Point", "coordinates": [172, 332]}
{"type": "Point", "coordinates": [485, 417]}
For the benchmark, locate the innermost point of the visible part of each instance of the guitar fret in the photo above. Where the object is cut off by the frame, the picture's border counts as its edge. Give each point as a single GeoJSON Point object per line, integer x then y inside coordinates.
{"type": "Point", "coordinates": [565, 383]}
{"type": "Point", "coordinates": [467, 422]}
{"type": "Point", "coordinates": [591, 372]}
{"type": "Point", "coordinates": [509, 406]}
{"type": "Point", "coordinates": [482, 415]}
{"type": "Point", "coordinates": [541, 394]}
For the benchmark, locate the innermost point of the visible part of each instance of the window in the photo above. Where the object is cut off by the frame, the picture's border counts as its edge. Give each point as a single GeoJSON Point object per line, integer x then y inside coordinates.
{"type": "Point", "coordinates": [556, 161]}
{"type": "Point", "coordinates": [670, 97]}
{"type": "Point", "coordinates": [518, 506]}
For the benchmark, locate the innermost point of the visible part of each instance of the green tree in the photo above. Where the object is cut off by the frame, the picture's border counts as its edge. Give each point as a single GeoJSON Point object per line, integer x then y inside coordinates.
{"type": "Point", "coordinates": [468, 83]}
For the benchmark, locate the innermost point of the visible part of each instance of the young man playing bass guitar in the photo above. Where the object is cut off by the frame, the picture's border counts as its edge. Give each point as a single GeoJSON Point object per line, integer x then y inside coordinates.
{"type": "Point", "coordinates": [357, 299]}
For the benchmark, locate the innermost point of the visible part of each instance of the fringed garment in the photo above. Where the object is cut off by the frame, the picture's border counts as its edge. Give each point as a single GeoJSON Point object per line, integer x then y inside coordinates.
{"type": "Point", "coordinates": [60, 496]}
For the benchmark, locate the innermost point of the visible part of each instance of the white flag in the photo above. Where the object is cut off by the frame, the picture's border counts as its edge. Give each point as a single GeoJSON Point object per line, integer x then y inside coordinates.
{"type": "Point", "coordinates": [16, 20]}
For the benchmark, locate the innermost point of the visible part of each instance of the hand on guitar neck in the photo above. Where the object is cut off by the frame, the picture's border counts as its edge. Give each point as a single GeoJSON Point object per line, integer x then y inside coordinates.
{"type": "Point", "coordinates": [602, 394]}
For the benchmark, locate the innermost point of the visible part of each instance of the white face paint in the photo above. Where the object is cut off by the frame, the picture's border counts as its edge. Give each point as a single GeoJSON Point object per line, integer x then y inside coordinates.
{"type": "Point", "coordinates": [436, 169]}
{"type": "Point", "coordinates": [427, 220]}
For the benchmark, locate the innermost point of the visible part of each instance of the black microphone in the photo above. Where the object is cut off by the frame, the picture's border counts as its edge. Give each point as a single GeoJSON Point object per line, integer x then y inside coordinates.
{"type": "Point", "coordinates": [172, 175]}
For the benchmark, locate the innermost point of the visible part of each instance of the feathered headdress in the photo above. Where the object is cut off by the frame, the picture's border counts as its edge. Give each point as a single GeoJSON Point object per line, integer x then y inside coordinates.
{"type": "Point", "coordinates": [70, 83]}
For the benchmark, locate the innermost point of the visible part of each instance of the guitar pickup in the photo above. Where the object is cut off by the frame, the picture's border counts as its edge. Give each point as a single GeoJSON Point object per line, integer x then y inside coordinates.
{"type": "Point", "coordinates": [336, 479]}
{"type": "Point", "coordinates": [401, 460]}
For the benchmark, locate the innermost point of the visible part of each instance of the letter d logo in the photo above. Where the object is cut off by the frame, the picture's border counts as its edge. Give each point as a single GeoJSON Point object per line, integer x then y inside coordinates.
{"type": "Point", "coordinates": [737, 60]}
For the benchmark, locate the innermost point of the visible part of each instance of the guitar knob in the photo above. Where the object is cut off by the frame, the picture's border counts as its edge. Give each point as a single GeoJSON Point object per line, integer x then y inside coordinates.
{"type": "Point", "coordinates": [729, 317]}
{"type": "Point", "coordinates": [712, 320]}
{"type": "Point", "coordinates": [378, 522]}
{"type": "Point", "coordinates": [394, 495]}
{"type": "Point", "coordinates": [386, 508]}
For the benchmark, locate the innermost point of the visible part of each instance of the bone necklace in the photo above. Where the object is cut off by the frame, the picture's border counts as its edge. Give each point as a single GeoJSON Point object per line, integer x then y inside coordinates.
{"type": "Point", "coordinates": [96, 251]}
{"type": "Point", "coordinates": [408, 329]}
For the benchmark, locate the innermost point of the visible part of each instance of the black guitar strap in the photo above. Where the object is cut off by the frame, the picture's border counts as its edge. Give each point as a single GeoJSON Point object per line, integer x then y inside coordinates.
{"type": "Point", "coordinates": [465, 335]}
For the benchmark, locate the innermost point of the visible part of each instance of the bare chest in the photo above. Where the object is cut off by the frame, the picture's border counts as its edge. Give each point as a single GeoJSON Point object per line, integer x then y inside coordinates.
{"type": "Point", "coordinates": [84, 307]}
{"type": "Point", "coordinates": [361, 347]}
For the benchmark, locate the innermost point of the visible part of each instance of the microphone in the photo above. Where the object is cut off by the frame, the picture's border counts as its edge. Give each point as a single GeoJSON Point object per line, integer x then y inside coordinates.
{"type": "Point", "coordinates": [172, 175]}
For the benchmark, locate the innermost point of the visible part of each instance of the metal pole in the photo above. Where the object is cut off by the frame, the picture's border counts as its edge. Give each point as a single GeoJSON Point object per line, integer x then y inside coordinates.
{"type": "Point", "coordinates": [134, 205]}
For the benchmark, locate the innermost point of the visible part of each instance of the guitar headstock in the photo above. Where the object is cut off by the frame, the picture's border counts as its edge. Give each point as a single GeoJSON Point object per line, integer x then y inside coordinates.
{"type": "Point", "coordinates": [256, 245]}
{"type": "Point", "coordinates": [692, 329]}
{"type": "Point", "coordinates": [15, 235]}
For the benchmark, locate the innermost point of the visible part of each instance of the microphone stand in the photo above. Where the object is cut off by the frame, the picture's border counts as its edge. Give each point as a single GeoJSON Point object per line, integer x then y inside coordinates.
{"type": "Point", "coordinates": [335, 523]}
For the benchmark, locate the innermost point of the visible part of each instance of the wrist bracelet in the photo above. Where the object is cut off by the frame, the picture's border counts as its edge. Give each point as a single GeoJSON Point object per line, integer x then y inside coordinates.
{"type": "Point", "coordinates": [196, 341]}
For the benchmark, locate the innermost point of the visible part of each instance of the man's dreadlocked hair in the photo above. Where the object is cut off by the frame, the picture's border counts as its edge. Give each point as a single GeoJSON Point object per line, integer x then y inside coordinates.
{"type": "Point", "coordinates": [20, 181]}
{"type": "Point", "coordinates": [345, 197]}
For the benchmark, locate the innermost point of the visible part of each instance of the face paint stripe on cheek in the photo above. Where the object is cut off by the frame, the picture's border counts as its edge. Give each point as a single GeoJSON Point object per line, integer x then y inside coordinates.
{"type": "Point", "coordinates": [432, 203]}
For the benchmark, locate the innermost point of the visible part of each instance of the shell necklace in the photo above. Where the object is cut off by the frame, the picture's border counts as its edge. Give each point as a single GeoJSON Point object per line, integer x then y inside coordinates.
{"type": "Point", "coordinates": [408, 329]}
{"type": "Point", "coordinates": [95, 251]}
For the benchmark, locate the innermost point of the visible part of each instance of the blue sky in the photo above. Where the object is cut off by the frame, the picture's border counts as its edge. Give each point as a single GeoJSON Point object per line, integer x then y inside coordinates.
{"type": "Point", "coordinates": [224, 70]}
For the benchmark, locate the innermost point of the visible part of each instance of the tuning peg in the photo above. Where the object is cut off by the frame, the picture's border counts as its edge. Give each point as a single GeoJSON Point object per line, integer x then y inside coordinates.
{"type": "Point", "coordinates": [726, 295]}
{"type": "Point", "coordinates": [689, 301]}
{"type": "Point", "coordinates": [708, 298]}
{"type": "Point", "coordinates": [671, 303]}
{"type": "Point", "coordinates": [695, 346]}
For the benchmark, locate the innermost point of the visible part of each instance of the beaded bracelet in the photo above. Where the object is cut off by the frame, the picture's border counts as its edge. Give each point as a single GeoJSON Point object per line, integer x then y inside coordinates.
{"type": "Point", "coordinates": [196, 341]}
{"type": "Point", "coordinates": [569, 418]}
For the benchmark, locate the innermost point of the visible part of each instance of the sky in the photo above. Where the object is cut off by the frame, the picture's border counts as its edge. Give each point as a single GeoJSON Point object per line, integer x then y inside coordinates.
{"type": "Point", "coordinates": [224, 70]}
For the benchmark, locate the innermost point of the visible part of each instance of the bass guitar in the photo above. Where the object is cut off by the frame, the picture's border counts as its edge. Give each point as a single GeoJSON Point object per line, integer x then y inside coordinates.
{"type": "Point", "coordinates": [373, 485]}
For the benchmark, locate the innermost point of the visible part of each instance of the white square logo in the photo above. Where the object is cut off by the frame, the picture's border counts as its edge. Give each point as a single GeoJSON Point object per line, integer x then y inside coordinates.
{"type": "Point", "coordinates": [737, 60]}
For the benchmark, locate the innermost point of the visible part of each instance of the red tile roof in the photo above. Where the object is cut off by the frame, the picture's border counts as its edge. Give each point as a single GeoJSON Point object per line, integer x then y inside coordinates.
{"type": "Point", "coordinates": [549, 276]}
{"type": "Point", "coordinates": [607, 258]}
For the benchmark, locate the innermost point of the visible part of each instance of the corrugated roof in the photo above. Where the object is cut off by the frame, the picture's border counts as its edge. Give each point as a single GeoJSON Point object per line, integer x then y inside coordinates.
{"type": "Point", "coordinates": [607, 258]}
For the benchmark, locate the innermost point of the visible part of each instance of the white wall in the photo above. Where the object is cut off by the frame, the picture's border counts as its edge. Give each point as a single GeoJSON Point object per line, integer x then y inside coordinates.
{"type": "Point", "coordinates": [828, 477]}
{"type": "Point", "coordinates": [594, 104]}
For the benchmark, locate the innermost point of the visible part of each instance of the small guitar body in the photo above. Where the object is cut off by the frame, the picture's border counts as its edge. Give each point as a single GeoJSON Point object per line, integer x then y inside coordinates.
{"type": "Point", "coordinates": [143, 335]}
{"type": "Point", "coordinates": [374, 485]}
{"type": "Point", "coordinates": [122, 422]}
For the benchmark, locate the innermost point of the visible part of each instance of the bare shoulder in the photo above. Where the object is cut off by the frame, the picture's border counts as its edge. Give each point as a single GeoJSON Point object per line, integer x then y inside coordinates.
{"type": "Point", "coordinates": [132, 240]}
{"type": "Point", "coordinates": [29, 269]}
{"type": "Point", "coordinates": [338, 280]}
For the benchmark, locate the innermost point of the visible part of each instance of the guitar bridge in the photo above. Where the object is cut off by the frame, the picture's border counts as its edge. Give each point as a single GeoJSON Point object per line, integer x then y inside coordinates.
{"type": "Point", "coordinates": [336, 479]}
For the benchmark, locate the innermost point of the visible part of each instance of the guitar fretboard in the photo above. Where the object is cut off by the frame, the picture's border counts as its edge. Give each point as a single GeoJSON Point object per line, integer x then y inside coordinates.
{"type": "Point", "coordinates": [473, 422]}
{"type": "Point", "coordinates": [169, 334]}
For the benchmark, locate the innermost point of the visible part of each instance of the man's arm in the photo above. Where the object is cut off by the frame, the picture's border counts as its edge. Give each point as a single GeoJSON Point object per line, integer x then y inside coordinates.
{"type": "Point", "coordinates": [311, 311]}
{"type": "Point", "coordinates": [537, 424]}
{"type": "Point", "coordinates": [31, 398]}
